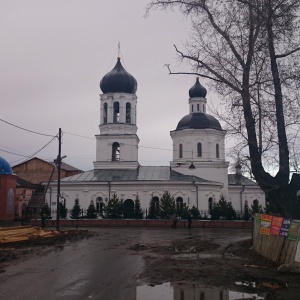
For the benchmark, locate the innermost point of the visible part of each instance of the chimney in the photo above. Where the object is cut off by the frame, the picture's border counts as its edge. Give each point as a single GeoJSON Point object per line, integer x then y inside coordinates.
{"type": "Point", "coordinates": [238, 173]}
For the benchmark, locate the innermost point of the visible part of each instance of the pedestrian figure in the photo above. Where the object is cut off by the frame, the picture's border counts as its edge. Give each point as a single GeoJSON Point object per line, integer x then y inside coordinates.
{"type": "Point", "coordinates": [174, 219]}
{"type": "Point", "coordinates": [189, 218]}
{"type": "Point", "coordinates": [43, 221]}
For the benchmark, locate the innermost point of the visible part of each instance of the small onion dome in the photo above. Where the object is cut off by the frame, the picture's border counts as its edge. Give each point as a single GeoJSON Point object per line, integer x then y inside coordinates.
{"type": "Point", "coordinates": [197, 90]}
{"type": "Point", "coordinates": [118, 80]}
{"type": "Point", "coordinates": [198, 121]}
{"type": "Point", "coordinates": [5, 167]}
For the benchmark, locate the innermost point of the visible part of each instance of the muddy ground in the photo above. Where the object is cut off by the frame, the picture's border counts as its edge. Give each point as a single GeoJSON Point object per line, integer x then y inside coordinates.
{"type": "Point", "coordinates": [191, 259]}
{"type": "Point", "coordinates": [234, 267]}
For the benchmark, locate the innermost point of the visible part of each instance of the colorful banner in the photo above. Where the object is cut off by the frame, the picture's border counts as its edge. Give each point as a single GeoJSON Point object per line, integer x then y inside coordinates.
{"type": "Point", "coordinates": [276, 225]}
{"type": "Point", "coordinates": [285, 227]}
{"type": "Point", "coordinates": [294, 231]}
{"type": "Point", "coordinates": [265, 224]}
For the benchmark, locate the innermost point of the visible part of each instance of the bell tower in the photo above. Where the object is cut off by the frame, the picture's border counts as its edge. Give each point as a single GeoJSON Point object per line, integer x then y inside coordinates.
{"type": "Point", "coordinates": [117, 143]}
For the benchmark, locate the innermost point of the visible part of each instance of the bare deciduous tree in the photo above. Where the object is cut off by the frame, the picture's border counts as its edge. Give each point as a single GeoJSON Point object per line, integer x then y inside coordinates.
{"type": "Point", "coordinates": [249, 50]}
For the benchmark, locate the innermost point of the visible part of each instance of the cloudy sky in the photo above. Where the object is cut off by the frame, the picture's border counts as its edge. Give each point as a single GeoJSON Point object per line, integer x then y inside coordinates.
{"type": "Point", "coordinates": [52, 58]}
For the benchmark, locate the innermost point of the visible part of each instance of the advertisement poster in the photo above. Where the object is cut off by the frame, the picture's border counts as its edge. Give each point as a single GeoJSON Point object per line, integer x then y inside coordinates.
{"type": "Point", "coordinates": [276, 225]}
{"type": "Point", "coordinates": [294, 231]}
{"type": "Point", "coordinates": [265, 224]}
{"type": "Point", "coordinates": [285, 227]}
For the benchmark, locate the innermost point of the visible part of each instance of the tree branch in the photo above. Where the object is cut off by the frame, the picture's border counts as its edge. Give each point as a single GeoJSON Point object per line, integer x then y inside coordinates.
{"type": "Point", "coordinates": [287, 53]}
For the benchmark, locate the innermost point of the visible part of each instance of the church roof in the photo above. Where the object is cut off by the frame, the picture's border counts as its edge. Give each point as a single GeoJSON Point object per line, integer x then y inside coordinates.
{"type": "Point", "coordinates": [148, 173]}
{"type": "Point", "coordinates": [118, 80]}
{"type": "Point", "coordinates": [198, 121]}
{"type": "Point", "coordinates": [234, 179]}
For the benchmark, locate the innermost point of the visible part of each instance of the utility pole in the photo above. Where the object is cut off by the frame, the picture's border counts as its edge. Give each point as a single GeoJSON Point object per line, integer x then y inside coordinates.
{"type": "Point", "coordinates": [58, 163]}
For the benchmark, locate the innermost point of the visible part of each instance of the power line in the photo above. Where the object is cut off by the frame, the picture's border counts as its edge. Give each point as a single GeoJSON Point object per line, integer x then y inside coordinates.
{"type": "Point", "coordinates": [13, 153]}
{"type": "Point", "coordinates": [32, 155]}
{"type": "Point", "coordinates": [26, 129]}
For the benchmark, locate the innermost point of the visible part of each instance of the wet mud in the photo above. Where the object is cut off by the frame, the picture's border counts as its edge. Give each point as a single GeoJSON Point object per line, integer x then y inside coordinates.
{"type": "Point", "coordinates": [233, 267]}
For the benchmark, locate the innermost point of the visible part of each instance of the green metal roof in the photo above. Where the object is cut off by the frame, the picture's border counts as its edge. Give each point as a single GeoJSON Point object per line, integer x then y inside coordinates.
{"type": "Point", "coordinates": [150, 173]}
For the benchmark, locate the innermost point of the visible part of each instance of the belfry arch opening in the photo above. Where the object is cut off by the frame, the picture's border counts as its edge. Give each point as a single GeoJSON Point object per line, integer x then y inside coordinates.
{"type": "Point", "coordinates": [104, 113]}
{"type": "Point", "coordinates": [116, 118]}
{"type": "Point", "coordinates": [128, 113]}
{"type": "Point", "coordinates": [115, 151]}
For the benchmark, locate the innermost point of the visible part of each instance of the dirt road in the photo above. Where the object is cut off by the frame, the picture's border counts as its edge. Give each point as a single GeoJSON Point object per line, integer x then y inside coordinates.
{"type": "Point", "coordinates": [133, 263]}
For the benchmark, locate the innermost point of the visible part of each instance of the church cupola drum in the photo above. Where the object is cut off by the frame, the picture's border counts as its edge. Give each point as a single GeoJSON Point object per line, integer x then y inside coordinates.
{"type": "Point", "coordinates": [117, 143]}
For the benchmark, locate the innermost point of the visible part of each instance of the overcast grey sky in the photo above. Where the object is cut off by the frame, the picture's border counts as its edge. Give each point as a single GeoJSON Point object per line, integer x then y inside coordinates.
{"type": "Point", "coordinates": [53, 55]}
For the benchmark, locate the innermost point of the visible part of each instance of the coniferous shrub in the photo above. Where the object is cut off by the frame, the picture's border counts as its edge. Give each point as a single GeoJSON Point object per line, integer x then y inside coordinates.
{"type": "Point", "coordinates": [63, 211]}
{"type": "Point", "coordinates": [195, 212]}
{"type": "Point", "coordinates": [76, 210]}
{"type": "Point", "coordinates": [256, 208]}
{"type": "Point", "coordinates": [114, 207]}
{"type": "Point", "coordinates": [223, 210]}
{"type": "Point", "coordinates": [91, 211]}
{"type": "Point", "coordinates": [138, 213]}
{"type": "Point", "coordinates": [247, 214]}
{"type": "Point", "coordinates": [167, 206]}
{"type": "Point", "coordinates": [183, 211]}
{"type": "Point", "coordinates": [45, 210]}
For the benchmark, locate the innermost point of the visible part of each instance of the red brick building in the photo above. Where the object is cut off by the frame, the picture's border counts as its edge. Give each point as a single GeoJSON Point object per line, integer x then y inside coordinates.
{"type": "Point", "coordinates": [7, 191]}
{"type": "Point", "coordinates": [37, 170]}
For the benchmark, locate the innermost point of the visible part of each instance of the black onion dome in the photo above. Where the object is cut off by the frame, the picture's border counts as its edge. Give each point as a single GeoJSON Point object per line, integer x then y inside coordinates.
{"type": "Point", "coordinates": [198, 121]}
{"type": "Point", "coordinates": [118, 80]}
{"type": "Point", "coordinates": [197, 90]}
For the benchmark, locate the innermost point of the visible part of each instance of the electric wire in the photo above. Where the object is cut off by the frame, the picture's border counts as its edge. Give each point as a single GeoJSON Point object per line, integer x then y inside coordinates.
{"type": "Point", "coordinates": [26, 129]}
{"type": "Point", "coordinates": [32, 155]}
{"type": "Point", "coordinates": [13, 153]}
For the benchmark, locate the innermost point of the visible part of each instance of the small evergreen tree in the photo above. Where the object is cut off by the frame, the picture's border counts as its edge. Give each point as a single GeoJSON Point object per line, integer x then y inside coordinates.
{"type": "Point", "coordinates": [138, 213]}
{"type": "Point", "coordinates": [76, 210]}
{"type": "Point", "coordinates": [247, 214]}
{"type": "Point", "coordinates": [63, 211]}
{"type": "Point", "coordinates": [195, 212]}
{"type": "Point", "coordinates": [91, 211]}
{"type": "Point", "coordinates": [167, 205]}
{"type": "Point", "coordinates": [223, 209]}
{"type": "Point", "coordinates": [45, 210]}
{"type": "Point", "coordinates": [257, 208]}
{"type": "Point", "coordinates": [183, 211]}
{"type": "Point", "coordinates": [114, 207]}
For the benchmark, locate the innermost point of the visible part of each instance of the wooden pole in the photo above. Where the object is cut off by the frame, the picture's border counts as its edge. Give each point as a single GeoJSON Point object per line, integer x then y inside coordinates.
{"type": "Point", "coordinates": [58, 161]}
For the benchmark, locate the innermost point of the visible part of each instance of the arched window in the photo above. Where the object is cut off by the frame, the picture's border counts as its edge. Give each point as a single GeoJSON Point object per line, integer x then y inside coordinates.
{"type": "Point", "coordinates": [154, 207]}
{"type": "Point", "coordinates": [116, 112]}
{"type": "Point", "coordinates": [128, 112]}
{"type": "Point", "coordinates": [128, 209]}
{"type": "Point", "coordinates": [199, 150]}
{"type": "Point", "coordinates": [217, 151]}
{"type": "Point", "coordinates": [198, 107]}
{"type": "Point", "coordinates": [99, 205]}
{"type": "Point", "coordinates": [192, 107]}
{"type": "Point", "coordinates": [105, 113]}
{"type": "Point", "coordinates": [180, 150]}
{"type": "Point", "coordinates": [179, 203]}
{"type": "Point", "coordinates": [210, 204]}
{"type": "Point", "coordinates": [203, 108]}
{"type": "Point", "coordinates": [115, 151]}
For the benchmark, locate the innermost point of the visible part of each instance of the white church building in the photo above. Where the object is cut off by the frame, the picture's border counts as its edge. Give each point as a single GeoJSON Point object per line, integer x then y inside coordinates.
{"type": "Point", "coordinates": [198, 180]}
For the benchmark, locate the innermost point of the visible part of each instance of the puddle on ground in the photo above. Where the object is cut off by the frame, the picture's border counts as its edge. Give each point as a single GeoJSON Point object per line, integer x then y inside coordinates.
{"type": "Point", "coordinates": [184, 291]}
{"type": "Point", "coordinates": [195, 256]}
